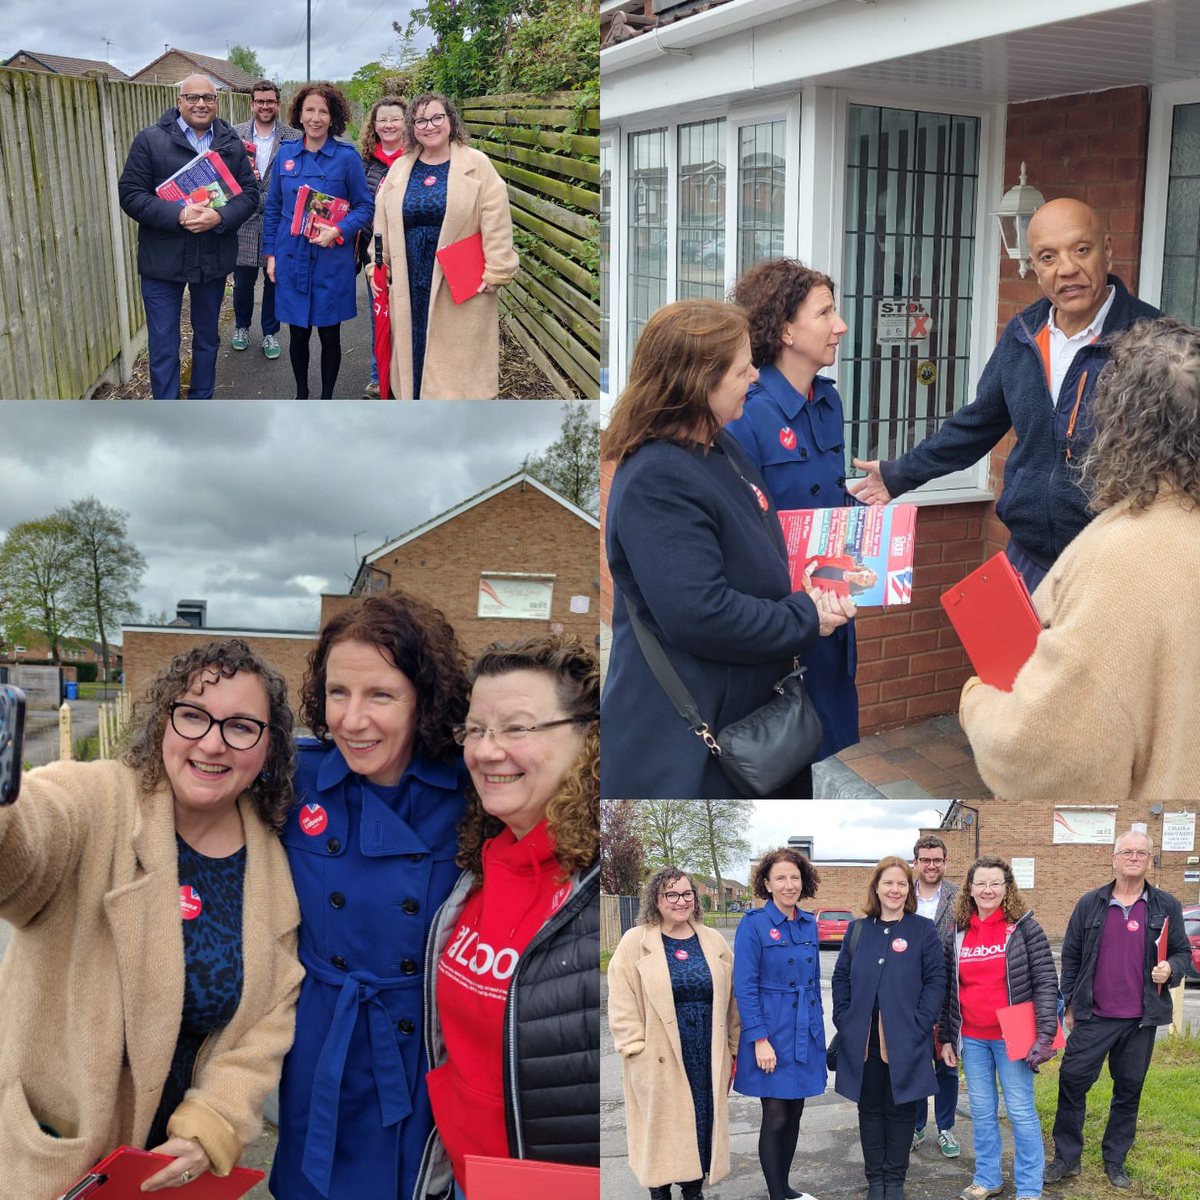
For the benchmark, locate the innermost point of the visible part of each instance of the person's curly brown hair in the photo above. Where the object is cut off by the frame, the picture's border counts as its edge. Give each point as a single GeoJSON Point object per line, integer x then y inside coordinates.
{"type": "Point", "coordinates": [419, 641]}
{"type": "Point", "coordinates": [338, 105]}
{"type": "Point", "coordinates": [573, 814]}
{"type": "Point", "coordinates": [369, 138]}
{"type": "Point", "coordinates": [458, 131]}
{"type": "Point", "coordinates": [770, 293]}
{"type": "Point", "coordinates": [872, 907]}
{"type": "Point", "coordinates": [271, 791]}
{"type": "Point", "coordinates": [810, 878]}
{"type": "Point", "coordinates": [654, 887]}
{"type": "Point", "coordinates": [1014, 905]}
{"type": "Point", "coordinates": [1146, 415]}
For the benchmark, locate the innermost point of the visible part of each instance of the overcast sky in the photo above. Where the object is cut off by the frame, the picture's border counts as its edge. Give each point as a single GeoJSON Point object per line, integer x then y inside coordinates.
{"type": "Point", "coordinates": [346, 34]}
{"type": "Point", "coordinates": [253, 505]}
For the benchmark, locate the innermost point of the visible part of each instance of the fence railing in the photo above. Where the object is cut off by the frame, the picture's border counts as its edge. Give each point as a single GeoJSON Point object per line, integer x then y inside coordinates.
{"type": "Point", "coordinates": [70, 302]}
{"type": "Point", "coordinates": [113, 720]}
{"type": "Point", "coordinates": [547, 149]}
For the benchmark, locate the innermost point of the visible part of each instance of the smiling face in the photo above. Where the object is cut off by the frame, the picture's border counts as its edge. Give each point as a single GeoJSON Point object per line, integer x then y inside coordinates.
{"type": "Point", "coordinates": [1131, 859]}
{"type": "Point", "coordinates": [516, 778]}
{"type": "Point", "coordinates": [1071, 256]}
{"type": "Point", "coordinates": [988, 886]}
{"type": "Point", "coordinates": [199, 115]}
{"type": "Point", "coordinates": [205, 774]}
{"type": "Point", "coordinates": [785, 883]}
{"type": "Point", "coordinates": [930, 865]}
{"type": "Point", "coordinates": [435, 136]}
{"type": "Point", "coordinates": [371, 710]}
{"type": "Point", "coordinates": [314, 118]}
{"type": "Point", "coordinates": [892, 890]}
{"type": "Point", "coordinates": [389, 125]}
{"type": "Point", "coordinates": [675, 911]}
{"type": "Point", "coordinates": [728, 397]}
{"type": "Point", "coordinates": [814, 331]}
{"type": "Point", "coordinates": [265, 106]}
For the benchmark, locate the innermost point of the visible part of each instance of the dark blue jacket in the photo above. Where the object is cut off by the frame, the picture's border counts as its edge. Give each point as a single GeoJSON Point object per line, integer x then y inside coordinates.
{"type": "Point", "coordinates": [706, 570]}
{"type": "Point", "coordinates": [901, 966]}
{"type": "Point", "coordinates": [165, 249]}
{"type": "Point", "coordinates": [800, 448]}
{"type": "Point", "coordinates": [370, 874]}
{"type": "Point", "coordinates": [315, 286]}
{"type": "Point", "coordinates": [1043, 504]}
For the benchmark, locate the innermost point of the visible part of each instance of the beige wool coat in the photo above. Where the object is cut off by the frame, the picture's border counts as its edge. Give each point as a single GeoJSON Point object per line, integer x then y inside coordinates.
{"type": "Point", "coordinates": [660, 1119]}
{"type": "Point", "coordinates": [92, 985]}
{"type": "Point", "coordinates": [462, 346]}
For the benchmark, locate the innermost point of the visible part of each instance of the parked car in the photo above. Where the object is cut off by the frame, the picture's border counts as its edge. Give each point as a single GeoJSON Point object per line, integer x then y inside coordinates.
{"type": "Point", "coordinates": [1191, 925]}
{"type": "Point", "coordinates": [831, 925]}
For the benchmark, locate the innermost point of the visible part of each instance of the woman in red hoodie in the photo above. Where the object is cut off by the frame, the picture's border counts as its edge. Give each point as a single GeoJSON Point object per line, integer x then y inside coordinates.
{"type": "Point", "coordinates": [512, 954]}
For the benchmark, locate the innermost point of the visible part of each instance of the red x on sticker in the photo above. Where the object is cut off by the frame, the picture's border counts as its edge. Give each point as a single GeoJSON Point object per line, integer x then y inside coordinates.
{"type": "Point", "coordinates": [920, 325]}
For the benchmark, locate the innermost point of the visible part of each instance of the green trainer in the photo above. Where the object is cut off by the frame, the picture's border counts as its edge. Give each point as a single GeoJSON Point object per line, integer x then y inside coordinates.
{"type": "Point", "coordinates": [241, 339]}
{"type": "Point", "coordinates": [949, 1143]}
{"type": "Point", "coordinates": [270, 346]}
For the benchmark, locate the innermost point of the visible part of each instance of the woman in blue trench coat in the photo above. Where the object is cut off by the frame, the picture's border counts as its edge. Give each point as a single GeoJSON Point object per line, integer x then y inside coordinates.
{"type": "Point", "coordinates": [793, 430]}
{"type": "Point", "coordinates": [314, 275]}
{"type": "Point", "coordinates": [888, 987]}
{"type": "Point", "coordinates": [371, 843]}
{"type": "Point", "coordinates": [777, 984]}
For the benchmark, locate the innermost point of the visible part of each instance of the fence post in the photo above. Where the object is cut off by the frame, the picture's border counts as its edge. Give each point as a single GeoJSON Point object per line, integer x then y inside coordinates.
{"type": "Point", "coordinates": [102, 714]}
{"type": "Point", "coordinates": [64, 732]}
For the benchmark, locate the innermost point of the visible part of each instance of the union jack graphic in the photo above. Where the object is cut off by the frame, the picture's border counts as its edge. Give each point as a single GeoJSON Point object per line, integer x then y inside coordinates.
{"type": "Point", "coordinates": [899, 586]}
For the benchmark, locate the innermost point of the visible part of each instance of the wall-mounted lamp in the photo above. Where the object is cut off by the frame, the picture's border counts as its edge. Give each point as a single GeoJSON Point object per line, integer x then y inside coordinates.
{"type": "Point", "coordinates": [1014, 214]}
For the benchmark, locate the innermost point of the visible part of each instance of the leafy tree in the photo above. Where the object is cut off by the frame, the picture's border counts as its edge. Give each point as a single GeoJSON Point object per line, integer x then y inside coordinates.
{"type": "Point", "coordinates": [668, 833]}
{"type": "Point", "coordinates": [720, 829]}
{"type": "Point", "coordinates": [571, 465]}
{"type": "Point", "coordinates": [620, 850]}
{"type": "Point", "coordinates": [247, 60]}
{"type": "Point", "coordinates": [37, 565]}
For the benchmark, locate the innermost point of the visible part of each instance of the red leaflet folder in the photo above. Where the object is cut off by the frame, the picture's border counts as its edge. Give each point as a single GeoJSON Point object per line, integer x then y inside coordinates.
{"type": "Point", "coordinates": [121, 1174]}
{"type": "Point", "coordinates": [504, 1178]}
{"type": "Point", "coordinates": [1019, 1028]}
{"type": "Point", "coordinates": [462, 264]}
{"type": "Point", "coordinates": [995, 620]}
{"type": "Point", "coordinates": [1160, 945]}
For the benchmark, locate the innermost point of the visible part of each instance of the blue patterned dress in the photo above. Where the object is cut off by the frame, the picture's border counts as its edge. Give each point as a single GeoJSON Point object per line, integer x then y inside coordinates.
{"type": "Point", "coordinates": [424, 210]}
{"type": "Point", "coordinates": [691, 985]}
{"type": "Point", "coordinates": [212, 961]}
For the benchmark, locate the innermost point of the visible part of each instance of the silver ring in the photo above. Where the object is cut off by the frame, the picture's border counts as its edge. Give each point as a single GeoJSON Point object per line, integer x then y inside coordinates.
{"type": "Point", "coordinates": [186, 1177]}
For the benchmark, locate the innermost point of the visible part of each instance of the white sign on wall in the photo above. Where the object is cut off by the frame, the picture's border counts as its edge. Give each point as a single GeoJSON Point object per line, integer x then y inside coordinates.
{"type": "Point", "coordinates": [1179, 831]}
{"type": "Point", "coordinates": [902, 323]}
{"type": "Point", "coordinates": [1022, 869]}
{"type": "Point", "coordinates": [1088, 826]}
{"type": "Point", "coordinates": [520, 597]}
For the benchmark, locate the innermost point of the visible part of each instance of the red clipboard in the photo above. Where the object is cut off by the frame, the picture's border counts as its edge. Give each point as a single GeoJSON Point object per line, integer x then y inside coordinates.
{"type": "Point", "coordinates": [121, 1174]}
{"type": "Point", "coordinates": [504, 1178]}
{"type": "Point", "coordinates": [995, 620]}
{"type": "Point", "coordinates": [1160, 947]}
{"type": "Point", "coordinates": [462, 265]}
{"type": "Point", "coordinates": [1019, 1027]}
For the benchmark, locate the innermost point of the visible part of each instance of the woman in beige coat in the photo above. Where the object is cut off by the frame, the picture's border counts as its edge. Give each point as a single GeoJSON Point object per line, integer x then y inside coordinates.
{"type": "Point", "coordinates": [440, 192]}
{"type": "Point", "coordinates": [675, 1025]}
{"type": "Point", "coordinates": [136, 1009]}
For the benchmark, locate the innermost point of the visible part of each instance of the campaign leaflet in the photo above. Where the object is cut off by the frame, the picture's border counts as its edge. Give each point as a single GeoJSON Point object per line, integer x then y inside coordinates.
{"type": "Point", "coordinates": [314, 210]}
{"type": "Point", "coordinates": [205, 180]}
{"type": "Point", "coordinates": [864, 552]}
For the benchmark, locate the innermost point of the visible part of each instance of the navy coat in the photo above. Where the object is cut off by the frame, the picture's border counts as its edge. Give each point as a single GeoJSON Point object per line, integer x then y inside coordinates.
{"type": "Point", "coordinates": [800, 447]}
{"type": "Point", "coordinates": [901, 964]}
{"type": "Point", "coordinates": [315, 286]}
{"type": "Point", "coordinates": [777, 984]}
{"type": "Point", "coordinates": [370, 874]}
{"type": "Point", "coordinates": [705, 567]}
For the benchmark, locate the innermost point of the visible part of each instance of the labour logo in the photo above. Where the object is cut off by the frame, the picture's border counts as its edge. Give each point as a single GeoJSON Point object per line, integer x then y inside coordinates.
{"type": "Point", "coordinates": [313, 819]}
{"type": "Point", "coordinates": [681, 955]}
{"type": "Point", "coordinates": [1132, 926]}
{"type": "Point", "coordinates": [774, 934]}
{"type": "Point", "coordinates": [190, 904]}
{"type": "Point", "coordinates": [787, 438]}
{"type": "Point", "coordinates": [899, 945]}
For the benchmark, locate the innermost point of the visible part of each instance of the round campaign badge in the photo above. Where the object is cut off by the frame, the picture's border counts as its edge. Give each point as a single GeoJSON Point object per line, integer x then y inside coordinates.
{"type": "Point", "coordinates": [290, 165]}
{"type": "Point", "coordinates": [559, 898]}
{"type": "Point", "coordinates": [681, 955]}
{"type": "Point", "coordinates": [429, 180]}
{"type": "Point", "coordinates": [899, 945]}
{"type": "Point", "coordinates": [787, 438]}
{"type": "Point", "coordinates": [190, 904]}
{"type": "Point", "coordinates": [760, 496]}
{"type": "Point", "coordinates": [313, 819]}
{"type": "Point", "coordinates": [773, 933]}
{"type": "Point", "coordinates": [1132, 926]}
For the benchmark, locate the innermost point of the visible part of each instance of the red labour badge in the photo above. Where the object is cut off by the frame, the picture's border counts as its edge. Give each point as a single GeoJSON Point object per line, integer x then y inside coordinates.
{"type": "Point", "coordinates": [429, 180]}
{"type": "Point", "coordinates": [313, 819]}
{"type": "Point", "coordinates": [761, 497]}
{"type": "Point", "coordinates": [899, 945]}
{"type": "Point", "coordinates": [773, 933]}
{"type": "Point", "coordinates": [1132, 926]}
{"type": "Point", "coordinates": [681, 955]}
{"type": "Point", "coordinates": [190, 904]}
{"type": "Point", "coordinates": [787, 438]}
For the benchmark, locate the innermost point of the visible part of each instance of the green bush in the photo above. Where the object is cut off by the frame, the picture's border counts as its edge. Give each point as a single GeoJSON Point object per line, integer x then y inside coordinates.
{"type": "Point", "coordinates": [87, 672]}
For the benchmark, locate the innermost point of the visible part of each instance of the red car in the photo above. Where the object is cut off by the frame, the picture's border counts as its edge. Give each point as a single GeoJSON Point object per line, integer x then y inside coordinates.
{"type": "Point", "coordinates": [832, 924]}
{"type": "Point", "coordinates": [1191, 925]}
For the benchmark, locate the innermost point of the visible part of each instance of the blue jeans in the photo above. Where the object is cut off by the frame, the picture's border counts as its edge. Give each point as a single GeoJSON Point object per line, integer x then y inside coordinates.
{"type": "Point", "coordinates": [984, 1060]}
{"type": "Point", "coordinates": [945, 1102]}
{"type": "Point", "coordinates": [163, 301]}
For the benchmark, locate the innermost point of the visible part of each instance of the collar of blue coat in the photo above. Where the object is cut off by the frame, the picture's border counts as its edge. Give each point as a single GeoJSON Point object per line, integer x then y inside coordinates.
{"type": "Point", "coordinates": [334, 769]}
{"type": "Point", "coordinates": [772, 381]}
{"type": "Point", "coordinates": [329, 148]}
{"type": "Point", "coordinates": [777, 918]}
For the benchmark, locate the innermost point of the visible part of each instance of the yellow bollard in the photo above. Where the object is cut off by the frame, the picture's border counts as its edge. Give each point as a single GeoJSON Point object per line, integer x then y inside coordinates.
{"type": "Point", "coordinates": [64, 732]}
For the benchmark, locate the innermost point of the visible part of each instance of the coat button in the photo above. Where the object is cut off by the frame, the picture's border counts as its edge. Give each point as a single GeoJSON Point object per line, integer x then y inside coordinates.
{"type": "Point", "coordinates": [410, 906]}
{"type": "Point", "coordinates": [337, 899]}
{"type": "Point", "coordinates": [795, 1004]}
{"type": "Point", "coordinates": [803, 451]}
{"type": "Point", "coordinates": [815, 489]}
{"type": "Point", "coordinates": [881, 962]}
{"type": "Point", "coordinates": [661, 1059]}
{"type": "Point", "coordinates": [333, 845]}
{"type": "Point", "coordinates": [339, 962]}
{"type": "Point", "coordinates": [405, 1026]}
{"type": "Point", "coordinates": [415, 857]}
{"type": "Point", "coordinates": [408, 967]}
{"type": "Point", "coordinates": [791, 960]}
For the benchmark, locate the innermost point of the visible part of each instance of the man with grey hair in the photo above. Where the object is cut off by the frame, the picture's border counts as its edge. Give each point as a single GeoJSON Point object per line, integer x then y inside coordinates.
{"type": "Point", "coordinates": [193, 245]}
{"type": "Point", "coordinates": [1125, 942]}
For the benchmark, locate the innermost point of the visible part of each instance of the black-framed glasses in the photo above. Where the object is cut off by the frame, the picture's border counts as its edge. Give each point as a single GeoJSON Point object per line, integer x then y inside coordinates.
{"type": "Point", "coordinates": [427, 122]}
{"type": "Point", "coordinates": [677, 897]}
{"type": "Point", "coordinates": [931, 862]}
{"type": "Point", "coordinates": [510, 733]}
{"type": "Point", "coordinates": [198, 97]}
{"type": "Point", "coordinates": [238, 733]}
{"type": "Point", "coordinates": [268, 100]}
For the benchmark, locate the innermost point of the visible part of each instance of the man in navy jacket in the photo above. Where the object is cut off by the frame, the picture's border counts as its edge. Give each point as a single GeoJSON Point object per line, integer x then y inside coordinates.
{"type": "Point", "coordinates": [191, 246]}
{"type": "Point", "coordinates": [1039, 382]}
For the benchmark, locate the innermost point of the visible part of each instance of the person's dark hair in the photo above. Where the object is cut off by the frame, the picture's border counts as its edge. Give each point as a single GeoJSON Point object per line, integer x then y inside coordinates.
{"type": "Point", "coordinates": [654, 887]}
{"type": "Point", "coordinates": [420, 642]}
{"type": "Point", "coordinates": [682, 354]}
{"type": "Point", "coordinates": [872, 907]}
{"type": "Point", "coordinates": [338, 105]}
{"type": "Point", "coordinates": [770, 293]}
{"type": "Point", "coordinates": [264, 85]}
{"type": "Point", "coordinates": [809, 876]}
{"type": "Point", "coordinates": [271, 791]}
{"type": "Point", "coordinates": [458, 131]}
{"type": "Point", "coordinates": [573, 814]}
{"type": "Point", "coordinates": [369, 139]}
{"type": "Point", "coordinates": [930, 841]}
{"type": "Point", "coordinates": [1013, 904]}
{"type": "Point", "coordinates": [1146, 415]}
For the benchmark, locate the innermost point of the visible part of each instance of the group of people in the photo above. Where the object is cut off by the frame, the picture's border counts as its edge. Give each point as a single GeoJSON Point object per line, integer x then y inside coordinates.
{"type": "Point", "coordinates": [400, 913]}
{"type": "Point", "coordinates": [441, 192]}
{"type": "Point", "coordinates": [919, 989]}
{"type": "Point", "coordinates": [727, 419]}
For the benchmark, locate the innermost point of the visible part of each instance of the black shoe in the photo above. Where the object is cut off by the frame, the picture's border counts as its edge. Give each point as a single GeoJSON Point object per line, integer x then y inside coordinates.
{"type": "Point", "coordinates": [1057, 1170]}
{"type": "Point", "coordinates": [1116, 1175]}
{"type": "Point", "coordinates": [692, 1190]}
{"type": "Point", "coordinates": [661, 1193]}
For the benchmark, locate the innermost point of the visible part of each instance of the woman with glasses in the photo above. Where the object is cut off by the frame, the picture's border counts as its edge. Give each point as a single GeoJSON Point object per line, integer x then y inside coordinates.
{"type": "Point", "coordinates": [998, 956]}
{"type": "Point", "coordinates": [513, 993]}
{"type": "Point", "coordinates": [149, 989]}
{"type": "Point", "coordinates": [675, 1025]}
{"type": "Point", "coordinates": [371, 841]}
{"type": "Point", "coordinates": [443, 192]}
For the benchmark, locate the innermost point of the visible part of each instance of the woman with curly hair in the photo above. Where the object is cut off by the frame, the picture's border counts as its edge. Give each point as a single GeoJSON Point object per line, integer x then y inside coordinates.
{"type": "Point", "coordinates": [1107, 706]}
{"type": "Point", "coordinates": [513, 953]}
{"type": "Point", "coordinates": [379, 791]}
{"type": "Point", "coordinates": [793, 429]}
{"type": "Point", "coordinates": [154, 935]}
{"type": "Point", "coordinates": [314, 273]}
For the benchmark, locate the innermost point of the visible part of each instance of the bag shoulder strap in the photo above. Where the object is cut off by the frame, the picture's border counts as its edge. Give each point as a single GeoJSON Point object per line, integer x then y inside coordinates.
{"type": "Point", "coordinates": [855, 933]}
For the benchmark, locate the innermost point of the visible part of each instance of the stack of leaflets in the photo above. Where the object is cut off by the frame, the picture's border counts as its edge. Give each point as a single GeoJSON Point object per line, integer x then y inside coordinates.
{"type": "Point", "coordinates": [205, 180]}
{"type": "Point", "coordinates": [314, 210]}
{"type": "Point", "coordinates": [865, 553]}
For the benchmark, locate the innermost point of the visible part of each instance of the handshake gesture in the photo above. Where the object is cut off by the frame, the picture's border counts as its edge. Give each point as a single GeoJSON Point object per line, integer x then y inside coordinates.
{"type": "Point", "coordinates": [872, 489]}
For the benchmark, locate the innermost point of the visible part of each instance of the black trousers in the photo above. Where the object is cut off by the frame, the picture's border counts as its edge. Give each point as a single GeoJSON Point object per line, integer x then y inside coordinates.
{"type": "Point", "coordinates": [885, 1129]}
{"type": "Point", "coordinates": [1128, 1046]}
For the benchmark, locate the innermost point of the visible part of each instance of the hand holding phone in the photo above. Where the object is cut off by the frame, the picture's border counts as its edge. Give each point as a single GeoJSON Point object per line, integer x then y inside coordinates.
{"type": "Point", "coordinates": [12, 730]}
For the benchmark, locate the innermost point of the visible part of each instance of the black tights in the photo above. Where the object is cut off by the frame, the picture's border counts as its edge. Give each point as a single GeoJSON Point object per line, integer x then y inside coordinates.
{"type": "Point", "coordinates": [777, 1142]}
{"type": "Point", "coordinates": [331, 357]}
